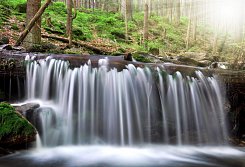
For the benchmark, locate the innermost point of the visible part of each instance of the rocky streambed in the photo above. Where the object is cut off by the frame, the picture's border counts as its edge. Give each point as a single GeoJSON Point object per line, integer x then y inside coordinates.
{"type": "Point", "coordinates": [13, 73]}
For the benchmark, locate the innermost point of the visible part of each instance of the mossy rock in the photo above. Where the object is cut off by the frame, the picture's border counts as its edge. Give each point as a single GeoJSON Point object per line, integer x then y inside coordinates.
{"type": "Point", "coordinates": [43, 47]}
{"type": "Point", "coordinates": [154, 51]}
{"type": "Point", "coordinates": [141, 57]}
{"type": "Point", "coordinates": [14, 129]}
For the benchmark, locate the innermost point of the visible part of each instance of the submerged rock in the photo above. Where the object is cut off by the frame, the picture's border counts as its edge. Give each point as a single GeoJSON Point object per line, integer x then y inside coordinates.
{"type": "Point", "coordinates": [15, 130]}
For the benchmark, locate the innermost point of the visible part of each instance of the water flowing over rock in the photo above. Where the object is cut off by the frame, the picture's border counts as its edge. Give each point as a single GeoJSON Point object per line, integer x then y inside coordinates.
{"type": "Point", "coordinates": [134, 106]}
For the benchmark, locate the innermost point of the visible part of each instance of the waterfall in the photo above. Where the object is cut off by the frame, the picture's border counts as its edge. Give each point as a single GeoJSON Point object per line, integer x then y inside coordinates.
{"type": "Point", "coordinates": [134, 106]}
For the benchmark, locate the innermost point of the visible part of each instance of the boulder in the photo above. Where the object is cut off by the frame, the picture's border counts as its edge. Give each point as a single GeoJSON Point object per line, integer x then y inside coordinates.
{"type": "Point", "coordinates": [219, 65]}
{"type": "Point", "coordinates": [128, 57]}
{"type": "Point", "coordinates": [27, 108]}
{"type": "Point", "coordinates": [15, 130]}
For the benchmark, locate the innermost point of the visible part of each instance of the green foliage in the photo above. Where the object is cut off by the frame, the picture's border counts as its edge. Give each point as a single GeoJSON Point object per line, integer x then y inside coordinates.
{"type": "Point", "coordinates": [87, 25]}
{"type": "Point", "coordinates": [12, 124]}
{"type": "Point", "coordinates": [90, 24]}
{"type": "Point", "coordinates": [4, 13]}
{"type": "Point", "coordinates": [12, 4]}
{"type": "Point", "coordinates": [14, 27]}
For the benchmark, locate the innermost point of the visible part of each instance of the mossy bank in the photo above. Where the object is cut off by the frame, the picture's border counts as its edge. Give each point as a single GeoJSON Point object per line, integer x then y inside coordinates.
{"type": "Point", "coordinates": [15, 130]}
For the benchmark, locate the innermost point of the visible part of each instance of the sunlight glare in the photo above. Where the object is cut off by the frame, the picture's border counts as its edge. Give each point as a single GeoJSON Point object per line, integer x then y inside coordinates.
{"type": "Point", "coordinates": [227, 15]}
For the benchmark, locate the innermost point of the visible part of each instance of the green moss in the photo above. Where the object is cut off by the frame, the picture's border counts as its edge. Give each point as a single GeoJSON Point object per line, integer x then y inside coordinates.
{"type": "Point", "coordinates": [141, 58]}
{"type": "Point", "coordinates": [12, 124]}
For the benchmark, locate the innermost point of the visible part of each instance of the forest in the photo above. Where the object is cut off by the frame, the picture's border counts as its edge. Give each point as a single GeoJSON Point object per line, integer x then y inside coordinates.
{"type": "Point", "coordinates": [122, 83]}
{"type": "Point", "coordinates": [213, 30]}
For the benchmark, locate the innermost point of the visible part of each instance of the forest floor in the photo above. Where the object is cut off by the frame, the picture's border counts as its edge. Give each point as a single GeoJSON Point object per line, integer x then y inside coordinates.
{"type": "Point", "coordinates": [105, 31]}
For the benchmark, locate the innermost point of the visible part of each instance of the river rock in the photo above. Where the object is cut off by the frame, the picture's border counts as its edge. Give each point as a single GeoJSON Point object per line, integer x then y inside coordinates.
{"type": "Point", "coordinates": [219, 65]}
{"type": "Point", "coordinates": [27, 108]}
{"type": "Point", "coordinates": [5, 47]}
{"type": "Point", "coordinates": [128, 57]}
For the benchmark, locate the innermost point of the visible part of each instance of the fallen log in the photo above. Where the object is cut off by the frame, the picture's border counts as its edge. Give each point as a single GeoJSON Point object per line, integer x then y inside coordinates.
{"type": "Point", "coordinates": [66, 40]}
{"type": "Point", "coordinates": [13, 62]}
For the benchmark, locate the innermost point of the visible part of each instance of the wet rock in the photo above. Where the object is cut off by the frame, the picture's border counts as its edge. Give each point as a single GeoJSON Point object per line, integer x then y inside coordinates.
{"type": "Point", "coordinates": [32, 111]}
{"type": "Point", "coordinates": [128, 57]}
{"type": "Point", "coordinates": [26, 109]}
{"type": "Point", "coordinates": [5, 47]}
{"type": "Point", "coordinates": [18, 48]}
{"type": "Point", "coordinates": [219, 65]}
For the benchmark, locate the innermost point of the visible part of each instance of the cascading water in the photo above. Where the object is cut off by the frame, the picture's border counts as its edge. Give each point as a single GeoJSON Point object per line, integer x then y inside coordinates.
{"type": "Point", "coordinates": [133, 106]}
{"type": "Point", "coordinates": [134, 117]}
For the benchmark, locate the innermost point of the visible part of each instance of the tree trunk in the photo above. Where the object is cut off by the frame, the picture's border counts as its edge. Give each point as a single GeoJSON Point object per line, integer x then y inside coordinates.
{"type": "Point", "coordinates": [126, 26]}
{"type": "Point", "coordinates": [34, 37]}
{"type": "Point", "coordinates": [189, 26]}
{"type": "Point", "coordinates": [126, 9]}
{"type": "Point", "coordinates": [178, 11]}
{"type": "Point", "coordinates": [69, 21]}
{"type": "Point", "coordinates": [32, 23]}
{"type": "Point", "coordinates": [146, 16]}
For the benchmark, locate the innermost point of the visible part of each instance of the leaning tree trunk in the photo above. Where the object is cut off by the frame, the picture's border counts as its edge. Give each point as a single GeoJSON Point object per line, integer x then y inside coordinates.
{"type": "Point", "coordinates": [32, 23]}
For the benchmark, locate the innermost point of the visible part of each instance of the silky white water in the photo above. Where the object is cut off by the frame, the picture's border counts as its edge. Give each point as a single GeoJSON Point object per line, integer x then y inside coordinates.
{"type": "Point", "coordinates": [115, 156]}
{"type": "Point", "coordinates": [129, 107]}
{"type": "Point", "coordinates": [135, 117]}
